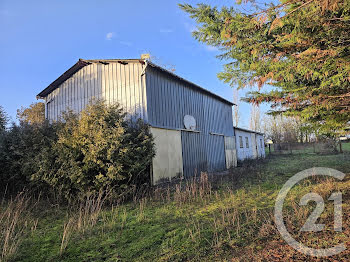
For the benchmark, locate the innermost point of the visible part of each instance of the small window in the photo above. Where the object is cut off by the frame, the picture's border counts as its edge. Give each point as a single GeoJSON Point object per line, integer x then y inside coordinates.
{"type": "Point", "coordinates": [241, 142]}
{"type": "Point", "coordinates": [246, 142]}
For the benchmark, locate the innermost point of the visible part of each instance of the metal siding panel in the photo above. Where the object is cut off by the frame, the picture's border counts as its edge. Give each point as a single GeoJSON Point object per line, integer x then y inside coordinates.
{"type": "Point", "coordinates": [74, 97]}
{"type": "Point", "coordinates": [59, 103]}
{"type": "Point", "coordinates": [168, 120]}
{"type": "Point", "coordinates": [144, 95]}
{"type": "Point", "coordinates": [78, 81]}
{"type": "Point", "coordinates": [153, 107]}
{"type": "Point", "coordinates": [167, 104]}
{"type": "Point", "coordinates": [216, 153]}
{"type": "Point", "coordinates": [132, 103]}
{"type": "Point", "coordinates": [77, 86]}
{"type": "Point", "coordinates": [178, 111]}
{"type": "Point", "coordinates": [118, 83]}
{"type": "Point", "coordinates": [149, 97]}
{"type": "Point", "coordinates": [68, 96]}
{"type": "Point", "coordinates": [54, 104]}
{"type": "Point", "coordinates": [64, 104]}
{"type": "Point", "coordinates": [82, 90]}
{"type": "Point", "coordinates": [193, 153]}
{"type": "Point", "coordinates": [127, 88]}
{"type": "Point", "coordinates": [160, 100]}
{"type": "Point", "coordinates": [161, 95]}
{"type": "Point", "coordinates": [104, 84]}
{"type": "Point", "coordinates": [110, 84]}
{"type": "Point", "coordinates": [138, 90]}
{"type": "Point", "coordinates": [87, 85]}
{"type": "Point", "coordinates": [84, 87]}
{"type": "Point", "coordinates": [48, 106]}
{"type": "Point", "coordinates": [93, 81]}
{"type": "Point", "coordinates": [97, 82]}
{"type": "Point", "coordinates": [172, 100]}
{"type": "Point", "coordinates": [132, 89]}
{"type": "Point", "coordinates": [123, 87]}
{"type": "Point", "coordinates": [169, 100]}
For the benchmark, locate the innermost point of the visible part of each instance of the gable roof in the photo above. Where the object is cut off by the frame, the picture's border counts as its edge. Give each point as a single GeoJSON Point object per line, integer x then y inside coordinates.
{"type": "Point", "coordinates": [82, 63]}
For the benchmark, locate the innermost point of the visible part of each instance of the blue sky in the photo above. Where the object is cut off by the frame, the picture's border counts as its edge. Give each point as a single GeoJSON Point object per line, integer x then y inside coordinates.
{"type": "Point", "coordinates": [41, 39]}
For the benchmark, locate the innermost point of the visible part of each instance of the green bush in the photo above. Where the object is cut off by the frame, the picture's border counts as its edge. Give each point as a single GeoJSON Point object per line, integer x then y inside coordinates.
{"type": "Point", "coordinates": [20, 152]}
{"type": "Point", "coordinates": [96, 151]}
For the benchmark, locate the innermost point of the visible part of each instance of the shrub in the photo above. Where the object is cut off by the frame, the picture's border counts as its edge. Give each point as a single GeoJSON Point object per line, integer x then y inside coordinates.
{"type": "Point", "coordinates": [34, 114]}
{"type": "Point", "coordinates": [20, 151]}
{"type": "Point", "coordinates": [96, 151]}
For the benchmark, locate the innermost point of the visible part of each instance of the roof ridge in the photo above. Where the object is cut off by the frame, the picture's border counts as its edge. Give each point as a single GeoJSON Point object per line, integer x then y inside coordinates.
{"type": "Point", "coordinates": [84, 62]}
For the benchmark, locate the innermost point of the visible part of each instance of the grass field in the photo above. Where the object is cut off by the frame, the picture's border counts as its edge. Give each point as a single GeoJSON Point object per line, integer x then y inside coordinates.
{"type": "Point", "coordinates": [229, 218]}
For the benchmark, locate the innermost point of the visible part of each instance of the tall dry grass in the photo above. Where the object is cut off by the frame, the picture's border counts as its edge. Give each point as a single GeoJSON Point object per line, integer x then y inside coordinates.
{"type": "Point", "coordinates": [84, 215]}
{"type": "Point", "coordinates": [15, 222]}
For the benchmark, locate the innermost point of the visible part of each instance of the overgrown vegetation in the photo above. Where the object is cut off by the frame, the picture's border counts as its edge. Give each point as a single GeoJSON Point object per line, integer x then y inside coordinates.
{"type": "Point", "coordinates": [99, 150]}
{"type": "Point", "coordinates": [299, 47]}
{"type": "Point", "coordinates": [34, 114]}
{"type": "Point", "coordinates": [220, 218]}
{"type": "Point", "coordinates": [21, 148]}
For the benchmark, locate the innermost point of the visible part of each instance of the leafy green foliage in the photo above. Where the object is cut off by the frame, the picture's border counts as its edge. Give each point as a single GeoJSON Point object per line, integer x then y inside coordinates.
{"type": "Point", "coordinates": [96, 151]}
{"type": "Point", "coordinates": [20, 151]}
{"type": "Point", "coordinates": [300, 47]}
{"type": "Point", "coordinates": [34, 114]}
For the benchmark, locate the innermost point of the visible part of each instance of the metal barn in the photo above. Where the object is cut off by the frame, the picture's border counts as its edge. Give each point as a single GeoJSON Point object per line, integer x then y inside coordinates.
{"type": "Point", "coordinates": [193, 127]}
{"type": "Point", "coordinates": [250, 144]}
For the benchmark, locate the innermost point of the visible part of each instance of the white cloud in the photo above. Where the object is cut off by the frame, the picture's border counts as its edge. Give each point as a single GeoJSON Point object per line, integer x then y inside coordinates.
{"type": "Point", "coordinates": [110, 35]}
{"type": "Point", "coordinates": [165, 31]}
{"type": "Point", "coordinates": [125, 43]}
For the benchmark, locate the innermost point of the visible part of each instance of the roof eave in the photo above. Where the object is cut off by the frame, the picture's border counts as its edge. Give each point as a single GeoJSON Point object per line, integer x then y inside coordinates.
{"type": "Point", "coordinates": [76, 67]}
{"type": "Point", "coordinates": [247, 130]}
{"type": "Point", "coordinates": [192, 84]}
{"type": "Point", "coordinates": [82, 62]}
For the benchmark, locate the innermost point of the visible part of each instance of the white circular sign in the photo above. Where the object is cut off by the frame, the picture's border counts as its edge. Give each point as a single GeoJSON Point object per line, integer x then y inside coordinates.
{"type": "Point", "coordinates": [189, 122]}
{"type": "Point", "coordinates": [321, 252]}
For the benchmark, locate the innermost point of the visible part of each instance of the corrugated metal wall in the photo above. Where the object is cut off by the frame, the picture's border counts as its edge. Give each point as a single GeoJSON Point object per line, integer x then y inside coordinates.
{"type": "Point", "coordinates": [113, 82]}
{"type": "Point", "coordinates": [194, 155]}
{"type": "Point", "coordinates": [215, 148]}
{"type": "Point", "coordinates": [158, 98]}
{"type": "Point", "coordinates": [169, 100]}
{"type": "Point", "coordinates": [202, 152]}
